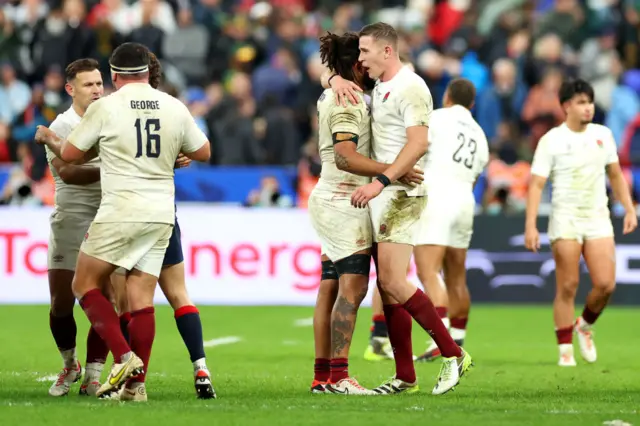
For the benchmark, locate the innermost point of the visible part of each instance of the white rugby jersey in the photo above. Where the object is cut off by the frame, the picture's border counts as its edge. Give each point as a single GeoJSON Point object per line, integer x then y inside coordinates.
{"type": "Point", "coordinates": [402, 102]}
{"type": "Point", "coordinates": [74, 199]}
{"type": "Point", "coordinates": [140, 132]}
{"type": "Point", "coordinates": [575, 162]}
{"type": "Point", "coordinates": [332, 119]}
{"type": "Point", "coordinates": [458, 151]}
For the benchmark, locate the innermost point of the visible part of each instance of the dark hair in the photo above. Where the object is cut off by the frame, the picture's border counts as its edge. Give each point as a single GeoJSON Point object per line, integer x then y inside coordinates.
{"type": "Point", "coordinates": [155, 71]}
{"type": "Point", "coordinates": [130, 55]}
{"type": "Point", "coordinates": [461, 92]}
{"type": "Point", "coordinates": [80, 65]}
{"type": "Point", "coordinates": [571, 88]}
{"type": "Point", "coordinates": [381, 31]}
{"type": "Point", "coordinates": [340, 53]}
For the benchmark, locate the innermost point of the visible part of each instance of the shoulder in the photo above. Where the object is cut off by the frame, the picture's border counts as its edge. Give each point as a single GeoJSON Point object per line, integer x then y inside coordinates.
{"type": "Point", "coordinates": [599, 130]}
{"type": "Point", "coordinates": [63, 123]}
{"type": "Point", "coordinates": [410, 81]}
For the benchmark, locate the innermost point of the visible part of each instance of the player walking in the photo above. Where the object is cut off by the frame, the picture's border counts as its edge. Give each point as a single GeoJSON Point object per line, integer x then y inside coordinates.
{"type": "Point", "coordinates": [345, 232]}
{"type": "Point", "coordinates": [458, 153]}
{"type": "Point", "coordinates": [401, 108]}
{"type": "Point", "coordinates": [575, 155]}
{"type": "Point", "coordinates": [77, 200]}
{"type": "Point", "coordinates": [138, 196]}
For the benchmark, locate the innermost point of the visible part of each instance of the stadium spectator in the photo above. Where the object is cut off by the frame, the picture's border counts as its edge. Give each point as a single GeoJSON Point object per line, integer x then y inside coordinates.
{"type": "Point", "coordinates": [256, 62]}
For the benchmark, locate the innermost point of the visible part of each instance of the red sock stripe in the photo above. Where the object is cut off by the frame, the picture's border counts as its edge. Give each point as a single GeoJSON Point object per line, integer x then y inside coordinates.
{"type": "Point", "coordinates": [187, 309]}
{"type": "Point", "coordinates": [378, 318]}
{"type": "Point", "coordinates": [564, 335]}
{"type": "Point", "coordinates": [126, 316]}
{"type": "Point", "coordinates": [459, 323]}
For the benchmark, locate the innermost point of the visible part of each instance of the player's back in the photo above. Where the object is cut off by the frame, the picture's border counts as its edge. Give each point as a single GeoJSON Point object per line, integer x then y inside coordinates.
{"type": "Point", "coordinates": [338, 119]}
{"type": "Point", "coordinates": [141, 136]}
{"type": "Point", "coordinates": [458, 151]}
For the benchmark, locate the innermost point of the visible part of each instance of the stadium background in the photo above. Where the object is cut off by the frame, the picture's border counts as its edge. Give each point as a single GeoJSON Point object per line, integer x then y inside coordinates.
{"type": "Point", "coordinates": [249, 72]}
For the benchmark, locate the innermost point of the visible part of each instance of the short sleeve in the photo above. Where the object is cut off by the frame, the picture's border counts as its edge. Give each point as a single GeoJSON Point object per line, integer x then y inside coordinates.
{"type": "Point", "coordinates": [542, 159]}
{"type": "Point", "coordinates": [345, 119]}
{"type": "Point", "coordinates": [87, 133]}
{"type": "Point", "coordinates": [612, 148]}
{"type": "Point", "coordinates": [415, 105]}
{"type": "Point", "coordinates": [483, 155]}
{"type": "Point", "coordinates": [60, 128]}
{"type": "Point", "coordinates": [192, 138]}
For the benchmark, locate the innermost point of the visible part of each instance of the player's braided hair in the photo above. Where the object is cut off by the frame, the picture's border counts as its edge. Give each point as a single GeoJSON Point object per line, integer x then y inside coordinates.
{"type": "Point", "coordinates": [155, 70]}
{"type": "Point", "coordinates": [340, 53]}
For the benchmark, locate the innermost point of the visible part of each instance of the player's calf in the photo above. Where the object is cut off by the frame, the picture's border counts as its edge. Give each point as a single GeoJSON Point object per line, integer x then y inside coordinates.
{"type": "Point", "coordinates": [327, 294]}
{"type": "Point", "coordinates": [353, 285]}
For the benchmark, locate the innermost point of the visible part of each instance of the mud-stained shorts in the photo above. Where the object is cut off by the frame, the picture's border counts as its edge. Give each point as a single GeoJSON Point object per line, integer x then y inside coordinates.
{"type": "Point", "coordinates": [129, 245]}
{"type": "Point", "coordinates": [395, 217]}
{"type": "Point", "coordinates": [65, 238]}
{"type": "Point", "coordinates": [343, 229]}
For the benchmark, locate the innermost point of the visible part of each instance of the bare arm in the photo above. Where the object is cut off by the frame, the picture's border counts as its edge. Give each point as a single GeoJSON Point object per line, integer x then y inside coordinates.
{"type": "Point", "coordinates": [536, 185]}
{"type": "Point", "coordinates": [324, 79]}
{"type": "Point", "coordinates": [620, 187]}
{"type": "Point", "coordinates": [75, 174]}
{"type": "Point", "coordinates": [57, 145]}
{"type": "Point", "coordinates": [350, 160]}
{"type": "Point", "coordinates": [414, 150]}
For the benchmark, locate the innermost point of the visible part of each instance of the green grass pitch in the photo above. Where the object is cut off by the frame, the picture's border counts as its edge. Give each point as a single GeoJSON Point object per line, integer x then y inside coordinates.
{"type": "Point", "coordinates": [263, 378]}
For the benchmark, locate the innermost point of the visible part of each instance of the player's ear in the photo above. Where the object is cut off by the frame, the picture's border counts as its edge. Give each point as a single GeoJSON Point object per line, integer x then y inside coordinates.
{"type": "Point", "coordinates": [69, 89]}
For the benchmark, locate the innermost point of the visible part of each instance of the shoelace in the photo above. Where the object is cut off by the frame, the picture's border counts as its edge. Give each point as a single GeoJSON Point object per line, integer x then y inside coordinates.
{"type": "Point", "coordinates": [62, 376]}
{"type": "Point", "coordinates": [446, 370]}
{"type": "Point", "coordinates": [355, 383]}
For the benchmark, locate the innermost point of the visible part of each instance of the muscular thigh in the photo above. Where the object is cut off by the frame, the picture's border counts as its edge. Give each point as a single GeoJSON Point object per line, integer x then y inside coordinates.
{"type": "Point", "coordinates": [566, 254]}
{"type": "Point", "coordinates": [342, 229]}
{"type": "Point", "coordinates": [600, 257]}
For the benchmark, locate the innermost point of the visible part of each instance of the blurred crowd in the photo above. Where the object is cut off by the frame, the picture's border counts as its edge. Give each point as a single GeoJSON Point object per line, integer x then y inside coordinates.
{"type": "Point", "coordinates": [249, 71]}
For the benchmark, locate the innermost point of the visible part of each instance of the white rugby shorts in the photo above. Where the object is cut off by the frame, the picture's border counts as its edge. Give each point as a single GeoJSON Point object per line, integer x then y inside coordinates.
{"type": "Point", "coordinates": [566, 227]}
{"type": "Point", "coordinates": [342, 229]}
{"type": "Point", "coordinates": [129, 245]}
{"type": "Point", "coordinates": [65, 237]}
{"type": "Point", "coordinates": [395, 216]}
{"type": "Point", "coordinates": [447, 221]}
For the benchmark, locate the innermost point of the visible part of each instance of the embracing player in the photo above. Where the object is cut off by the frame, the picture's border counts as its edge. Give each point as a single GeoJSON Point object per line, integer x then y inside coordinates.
{"type": "Point", "coordinates": [173, 285]}
{"type": "Point", "coordinates": [345, 232]}
{"type": "Point", "coordinates": [575, 156]}
{"type": "Point", "coordinates": [401, 108]}
{"type": "Point", "coordinates": [77, 199]}
{"type": "Point", "coordinates": [136, 215]}
{"type": "Point", "coordinates": [458, 153]}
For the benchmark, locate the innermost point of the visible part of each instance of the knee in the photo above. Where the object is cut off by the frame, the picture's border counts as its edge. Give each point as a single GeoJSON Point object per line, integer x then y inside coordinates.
{"type": "Point", "coordinates": [424, 276]}
{"type": "Point", "coordinates": [605, 287]}
{"type": "Point", "coordinates": [567, 290]}
{"type": "Point", "coordinates": [178, 298]}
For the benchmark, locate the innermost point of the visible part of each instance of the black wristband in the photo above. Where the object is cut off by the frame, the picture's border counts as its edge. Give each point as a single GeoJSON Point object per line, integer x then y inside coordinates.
{"type": "Point", "coordinates": [383, 180]}
{"type": "Point", "coordinates": [329, 81]}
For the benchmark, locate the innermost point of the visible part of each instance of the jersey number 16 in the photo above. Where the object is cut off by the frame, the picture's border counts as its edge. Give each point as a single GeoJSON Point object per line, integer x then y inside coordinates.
{"type": "Point", "coordinates": [459, 156]}
{"type": "Point", "coordinates": [151, 126]}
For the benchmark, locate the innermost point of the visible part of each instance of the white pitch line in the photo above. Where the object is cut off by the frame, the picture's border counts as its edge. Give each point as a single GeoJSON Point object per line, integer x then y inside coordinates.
{"type": "Point", "coordinates": [303, 322]}
{"type": "Point", "coordinates": [46, 378]}
{"type": "Point", "coordinates": [229, 340]}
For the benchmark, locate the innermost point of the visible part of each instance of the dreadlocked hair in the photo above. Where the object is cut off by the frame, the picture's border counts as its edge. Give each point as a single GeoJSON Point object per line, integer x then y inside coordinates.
{"type": "Point", "coordinates": [340, 53]}
{"type": "Point", "coordinates": [155, 70]}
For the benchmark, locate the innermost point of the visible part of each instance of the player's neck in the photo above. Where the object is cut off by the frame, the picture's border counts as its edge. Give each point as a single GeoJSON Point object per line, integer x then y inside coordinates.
{"type": "Point", "coordinates": [78, 109]}
{"type": "Point", "coordinates": [576, 126]}
{"type": "Point", "coordinates": [392, 70]}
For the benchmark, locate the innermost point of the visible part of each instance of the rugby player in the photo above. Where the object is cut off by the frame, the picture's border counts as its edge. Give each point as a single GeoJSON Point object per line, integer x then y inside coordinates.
{"type": "Point", "coordinates": [172, 284]}
{"type": "Point", "coordinates": [458, 153]}
{"type": "Point", "coordinates": [345, 232]}
{"type": "Point", "coordinates": [576, 156]}
{"type": "Point", "coordinates": [138, 195]}
{"type": "Point", "coordinates": [77, 199]}
{"type": "Point", "coordinates": [401, 108]}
